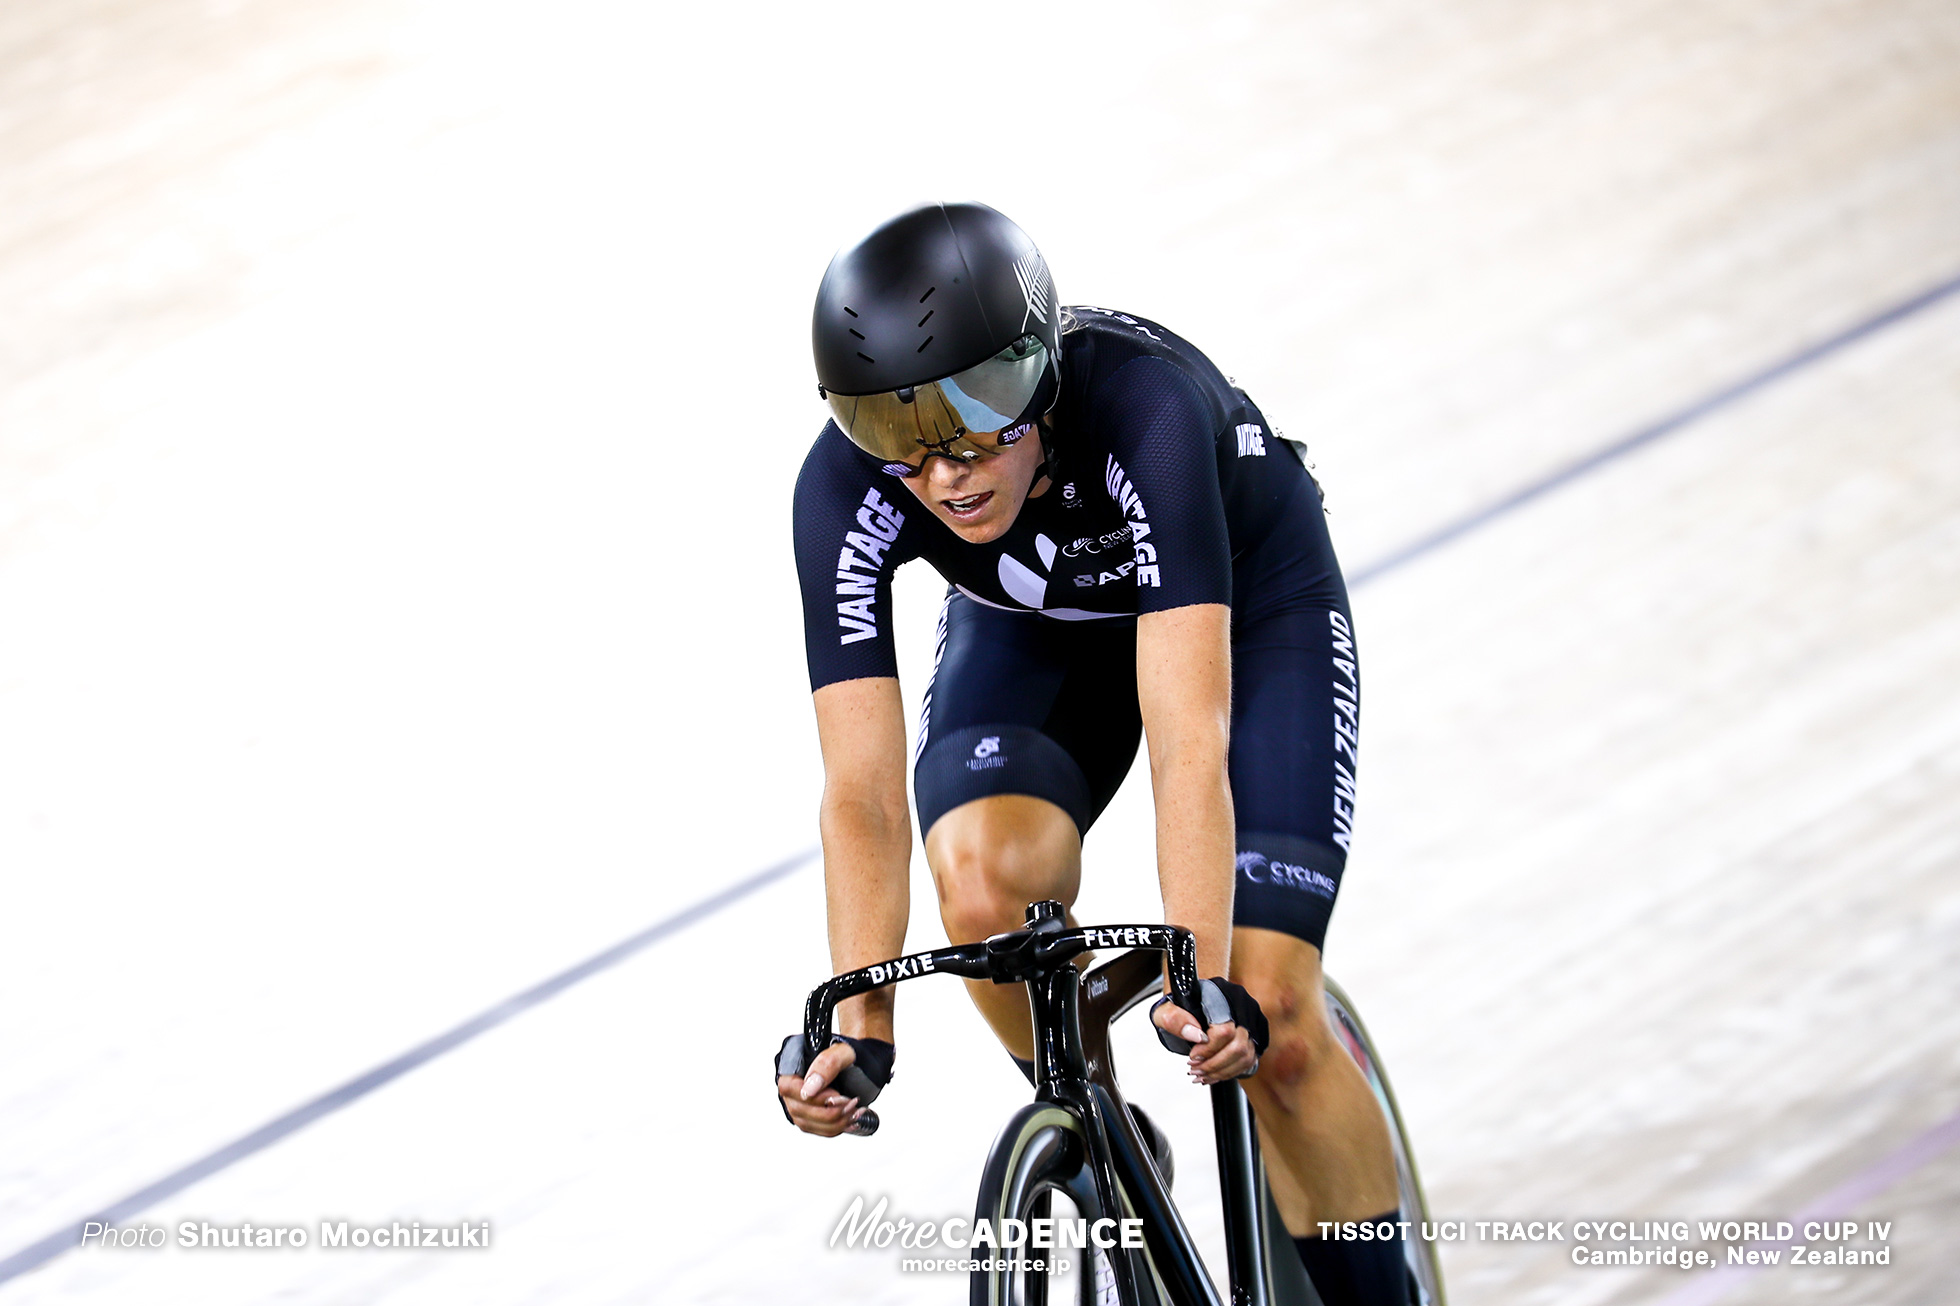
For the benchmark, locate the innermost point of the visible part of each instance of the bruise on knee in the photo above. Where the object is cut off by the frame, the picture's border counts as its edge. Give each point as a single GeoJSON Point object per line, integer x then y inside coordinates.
{"type": "Point", "coordinates": [1282, 1068]}
{"type": "Point", "coordinates": [1300, 1043]}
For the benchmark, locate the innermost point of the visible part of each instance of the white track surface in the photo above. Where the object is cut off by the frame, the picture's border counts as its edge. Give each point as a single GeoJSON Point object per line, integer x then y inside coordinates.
{"type": "Point", "coordinates": [399, 405]}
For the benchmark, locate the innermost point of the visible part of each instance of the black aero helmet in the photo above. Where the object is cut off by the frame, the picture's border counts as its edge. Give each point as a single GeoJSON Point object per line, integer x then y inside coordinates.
{"type": "Point", "coordinates": [938, 327]}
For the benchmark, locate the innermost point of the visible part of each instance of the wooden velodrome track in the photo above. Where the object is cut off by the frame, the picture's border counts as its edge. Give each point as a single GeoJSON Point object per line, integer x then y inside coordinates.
{"type": "Point", "coordinates": [398, 408]}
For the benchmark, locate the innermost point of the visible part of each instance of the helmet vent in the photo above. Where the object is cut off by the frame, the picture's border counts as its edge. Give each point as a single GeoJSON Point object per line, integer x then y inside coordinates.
{"type": "Point", "coordinates": [859, 334]}
{"type": "Point", "coordinates": [922, 298]}
{"type": "Point", "coordinates": [922, 348]}
{"type": "Point", "coordinates": [851, 311]}
{"type": "Point", "coordinates": [866, 357]}
{"type": "Point", "coordinates": [928, 317]}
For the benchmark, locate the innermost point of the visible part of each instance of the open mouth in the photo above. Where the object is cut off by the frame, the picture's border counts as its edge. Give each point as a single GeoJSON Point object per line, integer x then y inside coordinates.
{"type": "Point", "coordinates": [970, 507]}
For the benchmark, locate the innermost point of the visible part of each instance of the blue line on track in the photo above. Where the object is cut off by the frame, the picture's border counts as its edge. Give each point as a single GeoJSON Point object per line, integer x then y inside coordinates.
{"type": "Point", "coordinates": [360, 1086]}
{"type": "Point", "coordinates": [1646, 435]}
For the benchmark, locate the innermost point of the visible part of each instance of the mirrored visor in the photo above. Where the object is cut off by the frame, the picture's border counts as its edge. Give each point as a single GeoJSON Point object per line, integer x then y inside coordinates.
{"type": "Point", "coordinates": [959, 416]}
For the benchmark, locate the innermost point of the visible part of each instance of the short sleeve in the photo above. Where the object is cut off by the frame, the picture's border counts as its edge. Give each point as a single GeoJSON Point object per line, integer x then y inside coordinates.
{"type": "Point", "coordinates": [847, 535]}
{"type": "Point", "coordinates": [1162, 472]}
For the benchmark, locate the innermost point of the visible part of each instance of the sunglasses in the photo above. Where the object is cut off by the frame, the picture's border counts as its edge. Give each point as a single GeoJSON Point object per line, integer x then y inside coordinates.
{"type": "Point", "coordinates": [966, 450]}
{"type": "Point", "coordinates": [967, 417]}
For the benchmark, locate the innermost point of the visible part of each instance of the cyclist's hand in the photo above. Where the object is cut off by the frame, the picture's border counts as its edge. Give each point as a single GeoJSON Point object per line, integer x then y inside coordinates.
{"type": "Point", "coordinates": [1223, 1052]}
{"type": "Point", "coordinates": [1230, 1048]}
{"type": "Point", "coordinates": [810, 1102]}
{"type": "Point", "coordinates": [827, 1096]}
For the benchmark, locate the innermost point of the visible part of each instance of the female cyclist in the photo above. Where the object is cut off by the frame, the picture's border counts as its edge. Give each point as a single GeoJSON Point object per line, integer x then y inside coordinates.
{"type": "Point", "coordinates": [1131, 552]}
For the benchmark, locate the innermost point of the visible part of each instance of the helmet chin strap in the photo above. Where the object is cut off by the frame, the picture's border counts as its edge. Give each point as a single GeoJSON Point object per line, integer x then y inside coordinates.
{"type": "Point", "coordinates": [1050, 466]}
{"type": "Point", "coordinates": [1051, 456]}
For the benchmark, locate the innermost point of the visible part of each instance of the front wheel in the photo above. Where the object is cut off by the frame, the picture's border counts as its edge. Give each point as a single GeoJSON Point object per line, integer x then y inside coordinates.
{"type": "Point", "coordinates": [1039, 1152]}
{"type": "Point", "coordinates": [1042, 1151]}
{"type": "Point", "coordinates": [1423, 1265]}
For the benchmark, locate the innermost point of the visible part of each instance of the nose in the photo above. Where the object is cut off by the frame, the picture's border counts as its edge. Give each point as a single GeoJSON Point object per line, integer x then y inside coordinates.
{"type": "Point", "coordinates": [944, 473]}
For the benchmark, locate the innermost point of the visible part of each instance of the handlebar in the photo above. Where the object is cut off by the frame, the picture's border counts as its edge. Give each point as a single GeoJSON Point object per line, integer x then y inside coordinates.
{"type": "Point", "coordinates": [1041, 948]}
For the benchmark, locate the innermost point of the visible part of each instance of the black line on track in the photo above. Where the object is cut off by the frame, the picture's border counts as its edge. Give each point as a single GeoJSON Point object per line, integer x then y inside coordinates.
{"type": "Point", "coordinates": [354, 1089]}
{"type": "Point", "coordinates": [1646, 435]}
{"type": "Point", "coordinates": [360, 1086]}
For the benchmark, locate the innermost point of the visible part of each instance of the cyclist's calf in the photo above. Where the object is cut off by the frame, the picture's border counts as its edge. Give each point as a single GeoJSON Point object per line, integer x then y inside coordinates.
{"type": "Point", "coordinates": [1328, 1154]}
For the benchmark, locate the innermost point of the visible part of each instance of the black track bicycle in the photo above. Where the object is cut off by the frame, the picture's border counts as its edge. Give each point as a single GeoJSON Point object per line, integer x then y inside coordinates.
{"type": "Point", "coordinates": [1080, 1139]}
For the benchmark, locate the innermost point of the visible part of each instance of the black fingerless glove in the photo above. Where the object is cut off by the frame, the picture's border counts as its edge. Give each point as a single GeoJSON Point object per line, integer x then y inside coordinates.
{"type": "Point", "coordinates": [864, 1079]}
{"type": "Point", "coordinates": [1223, 1000]}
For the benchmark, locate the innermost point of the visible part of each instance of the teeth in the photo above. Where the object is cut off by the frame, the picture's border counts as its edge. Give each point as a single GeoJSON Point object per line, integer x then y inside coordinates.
{"type": "Point", "coordinates": [961, 505]}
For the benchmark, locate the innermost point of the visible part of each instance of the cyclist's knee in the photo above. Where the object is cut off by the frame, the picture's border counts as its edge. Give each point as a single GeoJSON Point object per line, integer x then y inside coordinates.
{"type": "Point", "coordinates": [972, 905]}
{"type": "Point", "coordinates": [990, 858]}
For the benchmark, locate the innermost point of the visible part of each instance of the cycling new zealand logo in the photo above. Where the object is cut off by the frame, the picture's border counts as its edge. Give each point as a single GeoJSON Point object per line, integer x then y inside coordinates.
{"type": "Point", "coordinates": [986, 755]}
{"type": "Point", "coordinates": [1260, 869]}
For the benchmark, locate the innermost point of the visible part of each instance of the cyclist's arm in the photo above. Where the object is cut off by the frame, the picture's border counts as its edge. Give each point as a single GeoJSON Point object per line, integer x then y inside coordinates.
{"type": "Point", "coordinates": [850, 536]}
{"type": "Point", "coordinates": [1184, 688]}
{"type": "Point", "coordinates": [1163, 474]}
{"type": "Point", "coordinates": [867, 837]}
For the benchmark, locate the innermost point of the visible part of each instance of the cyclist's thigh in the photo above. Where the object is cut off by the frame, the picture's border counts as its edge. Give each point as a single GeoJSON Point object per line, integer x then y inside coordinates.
{"type": "Point", "coordinates": [1012, 707]}
{"type": "Point", "coordinates": [1095, 717]}
{"type": "Point", "coordinates": [1295, 730]}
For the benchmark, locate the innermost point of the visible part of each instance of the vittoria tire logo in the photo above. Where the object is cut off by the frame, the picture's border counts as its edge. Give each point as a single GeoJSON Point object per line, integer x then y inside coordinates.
{"type": "Point", "coordinates": [987, 747]}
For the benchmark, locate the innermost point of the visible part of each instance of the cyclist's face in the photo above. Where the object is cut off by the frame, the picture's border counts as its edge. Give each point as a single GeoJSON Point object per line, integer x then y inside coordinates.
{"type": "Point", "coordinates": [980, 499]}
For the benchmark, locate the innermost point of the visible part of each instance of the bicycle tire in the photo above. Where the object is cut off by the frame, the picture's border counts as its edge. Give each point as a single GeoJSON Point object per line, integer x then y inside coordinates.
{"type": "Point", "coordinates": [1041, 1151]}
{"type": "Point", "coordinates": [1424, 1265]}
